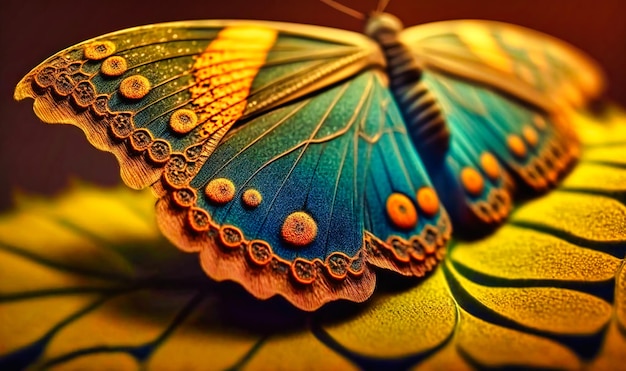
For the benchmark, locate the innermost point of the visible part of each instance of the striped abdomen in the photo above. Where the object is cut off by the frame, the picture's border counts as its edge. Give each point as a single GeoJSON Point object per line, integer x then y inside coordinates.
{"type": "Point", "coordinates": [420, 110]}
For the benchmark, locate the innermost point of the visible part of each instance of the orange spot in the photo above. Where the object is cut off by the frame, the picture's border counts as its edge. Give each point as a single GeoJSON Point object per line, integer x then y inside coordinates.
{"type": "Point", "coordinates": [140, 139]}
{"type": "Point", "coordinates": [401, 211]}
{"type": "Point", "coordinates": [516, 145]}
{"type": "Point", "coordinates": [231, 236]}
{"type": "Point", "coordinates": [540, 122]}
{"type": "Point", "coordinates": [472, 181]}
{"type": "Point", "coordinates": [99, 50]}
{"type": "Point", "coordinates": [299, 229]}
{"type": "Point", "coordinates": [199, 219]}
{"type": "Point", "coordinates": [428, 201]}
{"type": "Point", "coordinates": [338, 265]}
{"type": "Point", "coordinates": [259, 252]}
{"type": "Point", "coordinates": [220, 191]}
{"type": "Point", "coordinates": [185, 197]}
{"type": "Point", "coordinates": [135, 87]}
{"type": "Point", "coordinates": [251, 198]}
{"type": "Point", "coordinates": [490, 165]}
{"type": "Point", "coordinates": [303, 271]}
{"type": "Point", "coordinates": [183, 121]}
{"type": "Point", "coordinates": [531, 136]}
{"type": "Point", "coordinates": [114, 66]}
{"type": "Point", "coordinates": [159, 151]}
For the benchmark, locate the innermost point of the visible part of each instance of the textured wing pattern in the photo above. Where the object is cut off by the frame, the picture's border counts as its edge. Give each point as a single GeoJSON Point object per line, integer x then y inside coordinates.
{"type": "Point", "coordinates": [498, 146]}
{"type": "Point", "coordinates": [162, 98]}
{"type": "Point", "coordinates": [504, 92]}
{"type": "Point", "coordinates": [155, 93]}
{"type": "Point", "coordinates": [294, 204]}
{"type": "Point", "coordinates": [279, 155]}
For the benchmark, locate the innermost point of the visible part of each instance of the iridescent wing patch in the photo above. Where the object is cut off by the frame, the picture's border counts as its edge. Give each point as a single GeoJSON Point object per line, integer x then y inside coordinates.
{"type": "Point", "coordinates": [505, 92]}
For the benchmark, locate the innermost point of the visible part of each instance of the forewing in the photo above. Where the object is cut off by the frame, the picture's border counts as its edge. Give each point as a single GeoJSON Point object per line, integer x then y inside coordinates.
{"type": "Point", "coordinates": [152, 94]}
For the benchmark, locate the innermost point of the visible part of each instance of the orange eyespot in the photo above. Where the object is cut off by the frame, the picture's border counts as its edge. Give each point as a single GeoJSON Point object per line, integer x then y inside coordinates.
{"type": "Point", "coordinates": [251, 198]}
{"type": "Point", "coordinates": [199, 219]}
{"type": "Point", "coordinates": [299, 229]}
{"type": "Point", "coordinates": [159, 151]}
{"type": "Point", "coordinates": [259, 252]}
{"type": "Point", "coordinates": [428, 201]}
{"type": "Point", "coordinates": [135, 87]}
{"type": "Point", "coordinates": [303, 271]}
{"type": "Point", "coordinates": [401, 211]}
{"type": "Point", "coordinates": [516, 146]}
{"type": "Point", "coordinates": [99, 50]}
{"type": "Point", "coordinates": [183, 121]}
{"type": "Point", "coordinates": [490, 165]}
{"type": "Point", "coordinates": [530, 135]}
{"type": "Point", "coordinates": [185, 197]}
{"type": "Point", "coordinates": [114, 66]}
{"type": "Point", "coordinates": [472, 181]}
{"type": "Point", "coordinates": [540, 122]}
{"type": "Point", "coordinates": [220, 191]}
{"type": "Point", "coordinates": [231, 236]}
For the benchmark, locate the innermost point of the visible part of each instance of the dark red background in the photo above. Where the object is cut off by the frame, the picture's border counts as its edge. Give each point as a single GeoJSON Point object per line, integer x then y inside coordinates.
{"type": "Point", "coordinates": [41, 158]}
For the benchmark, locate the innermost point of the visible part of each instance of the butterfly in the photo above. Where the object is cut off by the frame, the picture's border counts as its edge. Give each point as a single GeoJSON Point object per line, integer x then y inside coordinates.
{"type": "Point", "coordinates": [296, 159]}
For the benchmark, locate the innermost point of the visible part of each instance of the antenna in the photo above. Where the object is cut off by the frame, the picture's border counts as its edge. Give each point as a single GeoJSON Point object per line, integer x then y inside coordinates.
{"type": "Point", "coordinates": [344, 9]}
{"type": "Point", "coordinates": [382, 5]}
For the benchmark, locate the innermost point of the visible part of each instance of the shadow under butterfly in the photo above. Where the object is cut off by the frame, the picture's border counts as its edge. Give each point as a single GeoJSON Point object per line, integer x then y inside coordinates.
{"type": "Point", "coordinates": [293, 159]}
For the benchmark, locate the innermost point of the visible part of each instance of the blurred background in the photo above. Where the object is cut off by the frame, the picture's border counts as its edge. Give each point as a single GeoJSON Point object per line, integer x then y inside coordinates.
{"type": "Point", "coordinates": [40, 158]}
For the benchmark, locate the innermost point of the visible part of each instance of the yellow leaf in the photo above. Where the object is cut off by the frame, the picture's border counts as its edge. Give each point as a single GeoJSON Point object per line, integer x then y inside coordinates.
{"type": "Point", "coordinates": [598, 178]}
{"type": "Point", "coordinates": [606, 129]}
{"type": "Point", "coordinates": [204, 342]}
{"type": "Point", "coordinates": [299, 351]}
{"type": "Point", "coordinates": [106, 289]}
{"type": "Point", "coordinates": [533, 255]}
{"type": "Point", "coordinates": [508, 347]}
{"type": "Point", "coordinates": [589, 217]}
{"type": "Point", "coordinates": [380, 330]}
{"type": "Point", "coordinates": [546, 309]}
{"type": "Point", "coordinates": [25, 322]}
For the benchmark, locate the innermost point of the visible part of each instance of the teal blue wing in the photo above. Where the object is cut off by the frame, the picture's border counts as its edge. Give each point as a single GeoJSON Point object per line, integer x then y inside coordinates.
{"type": "Point", "coordinates": [498, 147]}
{"type": "Point", "coordinates": [275, 150]}
{"type": "Point", "coordinates": [505, 93]}
{"type": "Point", "coordinates": [321, 170]}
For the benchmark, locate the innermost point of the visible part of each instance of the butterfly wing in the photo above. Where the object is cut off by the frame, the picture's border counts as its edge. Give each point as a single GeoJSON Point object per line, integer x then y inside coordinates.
{"type": "Point", "coordinates": [148, 92]}
{"type": "Point", "coordinates": [527, 64]}
{"type": "Point", "coordinates": [302, 219]}
{"type": "Point", "coordinates": [268, 145]}
{"type": "Point", "coordinates": [504, 92]}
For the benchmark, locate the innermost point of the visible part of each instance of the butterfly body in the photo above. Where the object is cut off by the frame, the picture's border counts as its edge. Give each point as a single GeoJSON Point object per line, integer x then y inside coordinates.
{"type": "Point", "coordinates": [293, 159]}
